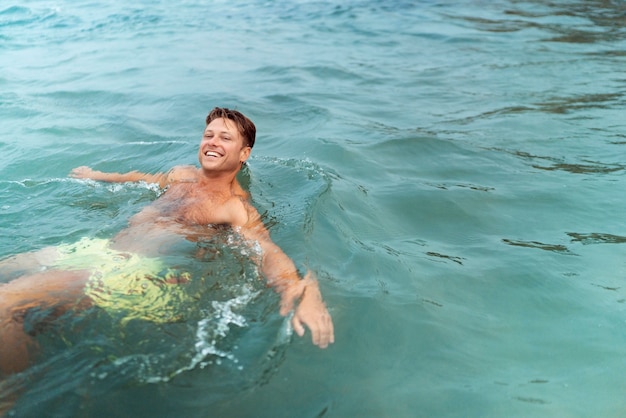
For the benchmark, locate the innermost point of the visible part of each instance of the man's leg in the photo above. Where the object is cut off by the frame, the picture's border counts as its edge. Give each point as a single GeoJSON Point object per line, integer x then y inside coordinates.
{"type": "Point", "coordinates": [27, 263]}
{"type": "Point", "coordinates": [57, 289]}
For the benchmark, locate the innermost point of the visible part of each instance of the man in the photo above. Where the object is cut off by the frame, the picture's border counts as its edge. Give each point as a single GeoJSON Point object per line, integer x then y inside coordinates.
{"type": "Point", "coordinates": [64, 277]}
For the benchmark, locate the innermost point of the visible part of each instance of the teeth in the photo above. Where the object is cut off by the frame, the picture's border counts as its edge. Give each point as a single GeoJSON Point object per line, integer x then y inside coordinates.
{"type": "Point", "coordinates": [211, 154]}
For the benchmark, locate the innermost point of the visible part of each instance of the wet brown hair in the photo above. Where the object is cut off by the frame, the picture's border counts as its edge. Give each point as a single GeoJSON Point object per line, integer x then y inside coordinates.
{"type": "Point", "coordinates": [245, 125]}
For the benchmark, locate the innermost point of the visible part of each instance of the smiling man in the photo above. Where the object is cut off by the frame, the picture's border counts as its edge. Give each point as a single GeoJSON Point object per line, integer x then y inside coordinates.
{"type": "Point", "coordinates": [194, 199]}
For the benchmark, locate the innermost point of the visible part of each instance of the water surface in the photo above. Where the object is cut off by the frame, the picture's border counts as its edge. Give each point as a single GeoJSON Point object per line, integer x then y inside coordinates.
{"type": "Point", "coordinates": [452, 171]}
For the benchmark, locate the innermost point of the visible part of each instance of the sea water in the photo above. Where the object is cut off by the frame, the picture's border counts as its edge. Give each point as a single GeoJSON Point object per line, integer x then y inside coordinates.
{"type": "Point", "coordinates": [452, 171]}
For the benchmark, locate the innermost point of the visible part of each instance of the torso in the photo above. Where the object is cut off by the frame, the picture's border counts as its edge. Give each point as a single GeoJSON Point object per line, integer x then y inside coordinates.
{"type": "Point", "coordinates": [185, 211]}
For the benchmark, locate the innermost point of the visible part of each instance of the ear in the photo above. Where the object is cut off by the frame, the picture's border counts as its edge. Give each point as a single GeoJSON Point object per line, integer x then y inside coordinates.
{"type": "Point", "coordinates": [244, 154]}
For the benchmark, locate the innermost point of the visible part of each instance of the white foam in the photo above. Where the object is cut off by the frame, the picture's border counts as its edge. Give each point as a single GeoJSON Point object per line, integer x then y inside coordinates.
{"type": "Point", "coordinates": [209, 332]}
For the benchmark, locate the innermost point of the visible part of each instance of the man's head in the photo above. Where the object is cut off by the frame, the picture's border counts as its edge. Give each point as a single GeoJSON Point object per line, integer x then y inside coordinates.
{"type": "Point", "coordinates": [244, 125]}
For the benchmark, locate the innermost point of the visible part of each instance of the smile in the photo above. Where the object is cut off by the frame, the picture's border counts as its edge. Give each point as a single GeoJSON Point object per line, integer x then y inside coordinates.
{"type": "Point", "coordinates": [212, 154]}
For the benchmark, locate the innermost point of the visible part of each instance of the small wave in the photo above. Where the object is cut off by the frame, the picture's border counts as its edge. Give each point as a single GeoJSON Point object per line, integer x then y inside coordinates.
{"type": "Point", "coordinates": [594, 168]}
{"type": "Point", "coordinates": [458, 260]}
{"type": "Point", "coordinates": [528, 399]}
{"type": "Point", "coordinates": [303, 165]}
{"type": "Point", "coordinates": [606, 18]}
{"type": "Point", "coordinates": [561, 105]}
{"type": "Point", "coordinates": [309, 180]}
{"type": "Point", "coordinates": [112, 187]}
{"type": "Point", "coordinates": [557, 164]}
{"type": "Point", "coordinates": [155, 142]}
{"type": "Point", "coordinates": [447, 186]}
{"type": "Point", "coordinates": [14, 10]}
{"type": "Point", "coordinates": [28, 183]}
{"type": "Point", "coordinates": [557, 248]}
{"type": "Point", "coordinates": [597, 238]}
{"type": "Point", "coordinates": [16, 15]}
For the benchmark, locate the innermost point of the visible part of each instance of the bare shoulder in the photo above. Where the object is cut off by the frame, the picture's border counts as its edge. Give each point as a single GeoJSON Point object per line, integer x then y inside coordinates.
{"type": "Point", "coordinates": [238, 210]}
{"type": "Point", "coordinates": [254, 225]}
{"type": "Point", "coordinates": [182, 173]}
{"type": "Point", "coordinates": [239, 191]}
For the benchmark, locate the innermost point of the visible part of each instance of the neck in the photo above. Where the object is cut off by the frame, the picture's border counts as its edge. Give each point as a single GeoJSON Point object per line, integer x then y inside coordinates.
{"type": "Point", "coordinates": [216, 182]}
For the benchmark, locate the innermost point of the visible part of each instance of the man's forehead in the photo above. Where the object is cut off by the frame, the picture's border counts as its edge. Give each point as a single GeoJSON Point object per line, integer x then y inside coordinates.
{"type": "Point", "coordinates": [222, 125]}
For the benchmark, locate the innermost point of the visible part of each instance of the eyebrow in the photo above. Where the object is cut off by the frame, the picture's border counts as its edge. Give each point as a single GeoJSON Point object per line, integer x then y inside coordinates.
{"type": "Point", "coordinates": [220, 132]}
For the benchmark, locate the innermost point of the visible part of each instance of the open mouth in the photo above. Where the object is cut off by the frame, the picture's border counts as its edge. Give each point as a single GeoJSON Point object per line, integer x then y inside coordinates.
{"type": "Point", "coordinates": [212, 154]}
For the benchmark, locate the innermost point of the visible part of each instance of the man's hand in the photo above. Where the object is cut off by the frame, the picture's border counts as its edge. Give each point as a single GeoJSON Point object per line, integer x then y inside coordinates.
{"type": "Point", "coordinates": [311, 311]}
{"type": "Point", "coordinates": [83, 172]}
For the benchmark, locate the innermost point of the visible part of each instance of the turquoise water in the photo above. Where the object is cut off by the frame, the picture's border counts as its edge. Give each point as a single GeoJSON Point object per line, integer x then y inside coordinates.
{"type": "Point", "coordinates": [453, 172]}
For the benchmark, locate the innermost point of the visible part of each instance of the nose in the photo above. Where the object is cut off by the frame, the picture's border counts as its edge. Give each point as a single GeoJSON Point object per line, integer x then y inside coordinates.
{"type": "Point", "coordinates": [209, 140]}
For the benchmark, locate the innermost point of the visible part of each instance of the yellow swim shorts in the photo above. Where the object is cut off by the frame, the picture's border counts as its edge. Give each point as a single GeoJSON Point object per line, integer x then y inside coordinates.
{"type": "Point", "coordinates": [134, 286]}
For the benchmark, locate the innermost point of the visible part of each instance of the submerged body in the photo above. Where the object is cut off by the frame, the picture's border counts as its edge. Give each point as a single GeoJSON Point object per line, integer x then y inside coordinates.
{"type": "Point", "coordinates": [194, 199]}
{"type": "Point", "coordinates": [184, 210]}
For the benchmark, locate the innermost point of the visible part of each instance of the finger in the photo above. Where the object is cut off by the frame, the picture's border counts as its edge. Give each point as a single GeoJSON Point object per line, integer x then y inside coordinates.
{"type": "Point", "coordinates": [327, 333]}
{"type": "Point", "coordinates": [78, 171]}
{"type": "Point", "coordinates": [297, 326]}
{"type": "Point", "coordinates": [331, 339]}
{"type": "Point", "coordinates": [324, 338]}
{"type": "Point", "coordinates": [316, 335]}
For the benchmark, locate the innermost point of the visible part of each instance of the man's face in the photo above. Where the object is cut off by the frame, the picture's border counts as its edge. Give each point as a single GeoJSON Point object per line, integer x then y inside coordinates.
{"type": "Point", "coordinates": [222, 146]}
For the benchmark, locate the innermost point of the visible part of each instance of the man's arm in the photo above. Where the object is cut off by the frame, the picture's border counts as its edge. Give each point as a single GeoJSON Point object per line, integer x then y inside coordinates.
{"type": "Point", "coordinates": [282, 274]}
{"type": "Point", "coordinates": [132, 176]}
{"type": "Point", "coordinates": [162, 179]}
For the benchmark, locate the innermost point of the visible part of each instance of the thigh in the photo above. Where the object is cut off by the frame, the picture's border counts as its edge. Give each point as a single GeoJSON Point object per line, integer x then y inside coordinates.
{"type": "Point", "coordinates": [27, 263]}
{"type": "Point", "coordinates": [45, 288]}
{"type": "Point", "coordinates": [57, 289]}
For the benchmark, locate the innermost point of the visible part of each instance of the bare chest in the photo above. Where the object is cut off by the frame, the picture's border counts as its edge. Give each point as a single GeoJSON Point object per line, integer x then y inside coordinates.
{"type": "Point", "coordinates": [190, 205]}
